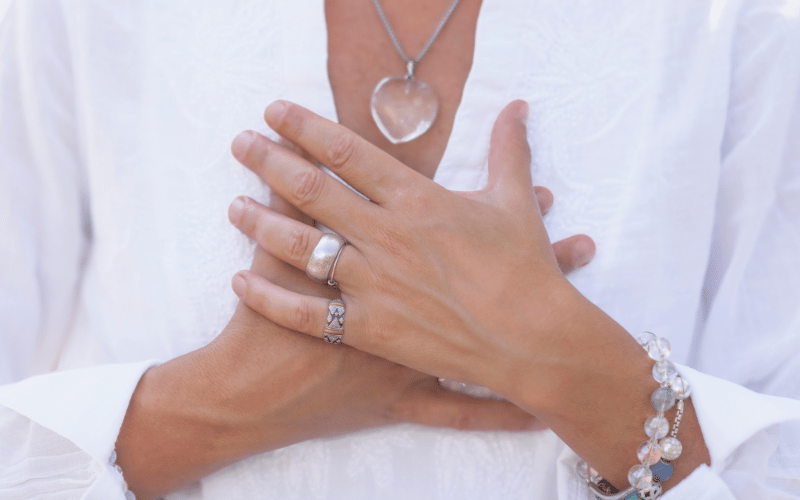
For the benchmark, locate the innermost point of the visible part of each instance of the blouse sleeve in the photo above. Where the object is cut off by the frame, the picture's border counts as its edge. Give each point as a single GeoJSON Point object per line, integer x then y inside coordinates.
{"type": "Point", "coordinates": [744, 365]}
{"type": "Point", "coordinates": [57, 430]}
{"type": "Point", "coordinates": [747, 343]}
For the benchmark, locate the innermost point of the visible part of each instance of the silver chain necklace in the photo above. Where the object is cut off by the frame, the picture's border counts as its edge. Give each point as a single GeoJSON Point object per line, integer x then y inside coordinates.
{"type": "Point", "coordinates": [403, 107]}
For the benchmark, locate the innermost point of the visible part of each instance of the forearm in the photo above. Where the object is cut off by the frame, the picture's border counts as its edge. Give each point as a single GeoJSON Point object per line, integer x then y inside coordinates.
{"type": "Point", "coordinates": [597, 397]}
{"type": "Point", "coordinates": [205, 410]}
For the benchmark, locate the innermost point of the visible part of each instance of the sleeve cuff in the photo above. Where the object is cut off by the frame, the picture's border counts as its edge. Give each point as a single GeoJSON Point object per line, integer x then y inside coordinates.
{"type": "Point", "coordinates": [85, 405]}
{"type": "Point", "coordinates": [729, 414]}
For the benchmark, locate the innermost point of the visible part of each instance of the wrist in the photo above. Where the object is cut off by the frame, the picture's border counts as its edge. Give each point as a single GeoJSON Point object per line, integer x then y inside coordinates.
{"type": "Point", "coordinates": [192, 416]}
{"type": "Point", "coordinates": [172, 434]}
{"type": "Point", "coordinates": [593, 389]}
{"type": "Point", "coordinates": [574, 345]}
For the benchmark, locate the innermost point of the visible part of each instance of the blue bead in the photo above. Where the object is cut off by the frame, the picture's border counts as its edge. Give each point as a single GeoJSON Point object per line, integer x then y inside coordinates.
{"type": "Point", "coordinates": [632, 496]}
{"type": "Point", "coordinates": [661, 471]}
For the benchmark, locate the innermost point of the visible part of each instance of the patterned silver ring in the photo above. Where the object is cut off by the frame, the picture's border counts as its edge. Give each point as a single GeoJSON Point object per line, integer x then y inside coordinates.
{"type": "Point", "coordinates": [322, 258]}
{"type": "Point", "coordinates": [334, 325]}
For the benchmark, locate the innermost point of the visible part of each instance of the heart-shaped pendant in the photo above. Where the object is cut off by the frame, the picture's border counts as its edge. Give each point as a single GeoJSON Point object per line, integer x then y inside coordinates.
{"type": "Point", "coordinates": [403, 108]}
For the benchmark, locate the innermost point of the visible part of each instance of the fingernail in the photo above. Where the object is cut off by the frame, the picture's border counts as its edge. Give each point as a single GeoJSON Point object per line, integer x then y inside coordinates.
{"type": "Point", "coordinates": [235, 210]}
{"type": "Point", "coordinates": [583, 252]}
{"type": "Point", "coordinates": [525, 112]}
{"type": "Point", "coordinates": [242, 143]}
{"type": "Point", "coordinates": [275, 110]}
{"type": "Point", "coordinates": [239, 285]}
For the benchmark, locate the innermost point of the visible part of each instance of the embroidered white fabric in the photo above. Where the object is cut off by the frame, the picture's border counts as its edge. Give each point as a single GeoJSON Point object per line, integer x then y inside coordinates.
{"type": "Point", "coordinates": [666, 130]}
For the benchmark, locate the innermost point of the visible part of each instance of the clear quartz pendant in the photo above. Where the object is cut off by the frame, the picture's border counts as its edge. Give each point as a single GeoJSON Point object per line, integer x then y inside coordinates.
{"type": "Point", "coordinates": [403, 107]}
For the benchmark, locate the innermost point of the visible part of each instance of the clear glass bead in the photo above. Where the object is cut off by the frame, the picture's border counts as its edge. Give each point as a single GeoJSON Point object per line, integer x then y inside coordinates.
{"type": "Point", "coordinates": [662, 399]}
{"type": "Point", "coordinates": [649, 453]}
{"type": "Point", "coordinates": [645, 338]}
{"type": "Point", "coordinates": [664, 372]}
{"type": "Point", "coordinates": [656, 426]}
{"type": "Point", "coordinates": [594, 476]}
{"type": "Point", "coordinates": [659, 349]}
{"type": "Point", "coordinates": [583, 470]}
{"type": "Point", "coordinates": [680, 388]}
{"type": "Point", "coordinates": [671, 448]}
{"type": "Point", "coordinates": [640, 477]}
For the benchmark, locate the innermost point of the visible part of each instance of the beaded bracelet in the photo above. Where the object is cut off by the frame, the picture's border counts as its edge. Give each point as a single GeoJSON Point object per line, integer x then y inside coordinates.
{"type": "Point", "coordinates": [655, 456]}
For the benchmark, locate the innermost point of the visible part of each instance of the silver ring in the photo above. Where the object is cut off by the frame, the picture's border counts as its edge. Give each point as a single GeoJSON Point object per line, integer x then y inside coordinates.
{"type": "Point", "coordinates": [323, 256]}
{"type": "Point", "coordinates": [334, 325]}
{"type": "Point", "coordinates": [331, 281]}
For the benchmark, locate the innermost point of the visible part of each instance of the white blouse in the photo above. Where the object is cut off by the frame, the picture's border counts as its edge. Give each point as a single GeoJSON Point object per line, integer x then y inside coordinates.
{"type": "Point", "coordinates": [667, 130]}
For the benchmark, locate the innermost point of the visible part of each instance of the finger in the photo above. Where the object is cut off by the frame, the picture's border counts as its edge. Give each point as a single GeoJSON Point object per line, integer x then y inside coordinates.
{"type": "Point", "coordinates": [370, 170]}
{"type": "Point", "coordinates": [294, 148]}
{"type": "Point", "coordinates": [301, 313]}
{"type": "Point", "coordinates": [276, 202]}
{"type": "Point", "coordinates": [305, 186]}
{"type": "Point", "coordinates": [287, 239]}
{"type": "Point", "coordinates": [574, 252]}
{"type": "Point", "coordinates": [510, 157]}
{"type": "Point", "coordinates": [431, 405]}
{"type": "Point", "coordinates": [545, 198]}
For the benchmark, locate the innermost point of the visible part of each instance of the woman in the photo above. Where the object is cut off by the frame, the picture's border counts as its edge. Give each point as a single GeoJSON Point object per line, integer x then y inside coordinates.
{"type": "Point", "coordinates": [619, 132]}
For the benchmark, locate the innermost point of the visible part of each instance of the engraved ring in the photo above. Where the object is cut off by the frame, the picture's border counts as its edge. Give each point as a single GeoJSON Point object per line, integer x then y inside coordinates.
{"type": "Point", "coordinates": [334, 325]}
{"type": "Point", "coordinates": [323, 257]}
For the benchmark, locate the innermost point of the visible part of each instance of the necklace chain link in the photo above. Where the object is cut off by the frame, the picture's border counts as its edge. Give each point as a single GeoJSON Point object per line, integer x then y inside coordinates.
{"type": "Point", "coordinates": [411, 63]}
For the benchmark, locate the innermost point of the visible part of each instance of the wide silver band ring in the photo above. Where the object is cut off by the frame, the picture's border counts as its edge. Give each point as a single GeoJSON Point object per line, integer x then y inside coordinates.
{"type": "Point", "coordinates": [324, 255]}
{"type": "Point", "coordinates": [334, 324]}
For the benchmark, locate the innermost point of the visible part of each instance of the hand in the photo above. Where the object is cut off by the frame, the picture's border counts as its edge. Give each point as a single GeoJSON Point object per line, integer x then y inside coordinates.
{"type": "Point", "coordinates": [260, 386]}
{"type": "Point", "coordinates": [461, 285]}
{"type": "Point", "coordinates": [430, 278]}
{"type": "Point", "coordinates": [377, 392]}
{"type": "Point", "coordinates": [413, 396]}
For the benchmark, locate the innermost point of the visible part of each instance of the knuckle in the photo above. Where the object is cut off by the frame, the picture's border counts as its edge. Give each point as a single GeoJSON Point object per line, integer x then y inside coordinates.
{"type": "Point", "coordinates": [308, 186]}
{"type": "Point", "coordinates": [341, 151]}
{"type": "Point", "coordinates": [299, 243]}
{"type": "Point", "coordinates": [303, 317]}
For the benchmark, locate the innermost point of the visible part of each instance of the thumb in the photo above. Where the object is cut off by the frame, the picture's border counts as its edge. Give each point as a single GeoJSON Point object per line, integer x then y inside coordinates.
{"type": "Point", "coordinates": [510, 182]}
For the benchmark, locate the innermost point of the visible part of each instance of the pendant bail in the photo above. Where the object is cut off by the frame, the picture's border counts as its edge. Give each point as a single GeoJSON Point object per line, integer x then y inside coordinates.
{"type": "Point", "coordinates": [410, 66]}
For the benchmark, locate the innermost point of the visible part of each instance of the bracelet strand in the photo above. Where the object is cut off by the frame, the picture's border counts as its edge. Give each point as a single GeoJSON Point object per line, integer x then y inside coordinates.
{"type": "Point", "coordinates": [657, 453]}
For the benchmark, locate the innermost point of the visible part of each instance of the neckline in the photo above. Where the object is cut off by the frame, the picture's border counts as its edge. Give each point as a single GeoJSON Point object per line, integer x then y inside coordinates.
{"type": "Point", "coordinates": [486, 89]}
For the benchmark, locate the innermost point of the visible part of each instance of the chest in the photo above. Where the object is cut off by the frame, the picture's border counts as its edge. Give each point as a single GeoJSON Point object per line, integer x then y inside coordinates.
{"type": "Point", "coordinates": [360, 54]}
